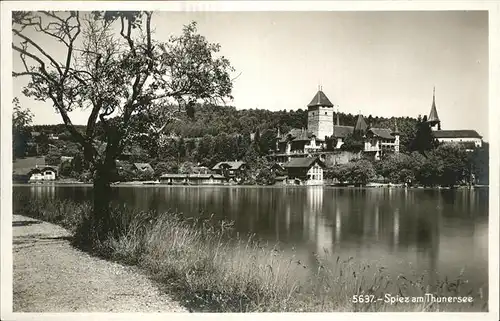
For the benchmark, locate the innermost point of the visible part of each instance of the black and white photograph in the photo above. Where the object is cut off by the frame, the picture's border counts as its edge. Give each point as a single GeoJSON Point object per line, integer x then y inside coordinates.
{"type": "Point", "coordinates": [190, 157]}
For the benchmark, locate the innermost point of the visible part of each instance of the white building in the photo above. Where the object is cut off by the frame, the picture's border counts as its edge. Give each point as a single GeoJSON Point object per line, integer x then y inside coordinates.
{"type": "Point", "coordinates": [466, 137]}
{"type": "Point", "coordinates": [43, 174]}
{"type": "Point", "coordinates": [463, 136]}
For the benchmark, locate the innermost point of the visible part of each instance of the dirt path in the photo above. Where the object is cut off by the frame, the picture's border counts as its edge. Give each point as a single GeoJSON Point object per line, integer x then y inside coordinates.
{"type": "Point", "coordinates": [52, 276]}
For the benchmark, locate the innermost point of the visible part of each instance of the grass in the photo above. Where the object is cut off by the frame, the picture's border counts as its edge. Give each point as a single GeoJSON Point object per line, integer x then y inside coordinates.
{"type": "Point", "coordinates": [209, 268]}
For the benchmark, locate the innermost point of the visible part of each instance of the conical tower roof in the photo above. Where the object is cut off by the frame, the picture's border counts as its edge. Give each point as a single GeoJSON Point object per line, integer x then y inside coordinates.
{"type": "Point", "coordinates": [433, 115]}
{"type": "Point", "coordinates": [321, 100]}
{"type": "Point", "coordinates": [360, 124]}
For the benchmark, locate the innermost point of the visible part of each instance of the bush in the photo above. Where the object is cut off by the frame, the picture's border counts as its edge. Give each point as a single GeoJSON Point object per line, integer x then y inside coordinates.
{"type": "Point", "coordinates": [266, 177]}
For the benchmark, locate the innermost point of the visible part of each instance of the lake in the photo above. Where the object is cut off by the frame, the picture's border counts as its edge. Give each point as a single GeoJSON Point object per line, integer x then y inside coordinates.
{"type": "Point", "coordinates": [438, 233]}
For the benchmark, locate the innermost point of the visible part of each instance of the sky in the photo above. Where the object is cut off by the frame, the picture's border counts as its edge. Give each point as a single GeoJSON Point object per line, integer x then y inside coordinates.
{"type": "Point", "coordinates": [378, 63]}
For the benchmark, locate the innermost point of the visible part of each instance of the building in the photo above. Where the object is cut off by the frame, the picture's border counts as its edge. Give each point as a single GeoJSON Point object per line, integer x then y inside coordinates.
{"type": "Point", "coordinates": [143, 167]}
{"type": "Point", "coordinates": [230, 169]}
{"type": "Point", "coordinates": [305, 171]}
{"type": "Point", "coordinates": [312, 141]}
{"type": "Point", "coordinates": [466, 137]}
{"type": "Point", "coordinates": [46, 173]}
{"type": "Point", "coordinates": [173, 179]}
{"type": "Point", "coordinates": [320, 116]}
{"type": "Point", "coordinates": [380, 141]}
{"type": "Point", "coordinates": [192, 179]}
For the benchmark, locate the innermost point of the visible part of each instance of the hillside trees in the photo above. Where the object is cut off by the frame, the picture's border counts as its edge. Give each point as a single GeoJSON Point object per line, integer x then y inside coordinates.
{"type": "Point", "coordinates": [110, 63]}
{"type": "Point", "coordinates": [21, 119]}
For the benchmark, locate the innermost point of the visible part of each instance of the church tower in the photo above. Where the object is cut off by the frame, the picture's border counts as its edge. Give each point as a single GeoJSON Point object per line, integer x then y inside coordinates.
{"type": "Point", "coordinates": [433, 119]}
{"type": "Point", "coordinates": [320, 116]}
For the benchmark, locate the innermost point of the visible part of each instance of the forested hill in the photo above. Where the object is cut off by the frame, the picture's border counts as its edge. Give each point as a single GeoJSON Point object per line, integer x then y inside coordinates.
{"type": "Point", "coordinates": [215, 120]}
{"type": "Point", "coordinates": [212, 120]}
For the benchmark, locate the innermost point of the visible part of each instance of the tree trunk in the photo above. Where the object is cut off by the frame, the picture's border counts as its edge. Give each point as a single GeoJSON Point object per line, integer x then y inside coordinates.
{"type": "Point", "coordinates": [101, 222]}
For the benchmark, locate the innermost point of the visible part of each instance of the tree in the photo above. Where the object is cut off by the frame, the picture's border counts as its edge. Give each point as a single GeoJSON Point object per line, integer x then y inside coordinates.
{"type": "Point", "coordinates": [361, 172]}
{"type": "Point", "coordinates": [65, 169]}
{"type": "Point", "coordinates": [479, 163]}
{"type": "Point", "coordinates": [430, 171]}
{"type": "Point", "coordinates": [266, 177]}
{"type": "Point", "coordinates": [21, 119]}
{"type": "Point", "coordinates": [339, 172]}
{"type": "Point", "coordinates": [53, 157]}
{"type": "Point", "coordinates": [109, 63]}
{"type": "Point", "coordinates": [353, 143]}
{"type": "Point", "coordinates": [455, 164]}
{"type": "Point", "coordinates": [267, 141]}
{"type": "Point", "coordinates": [161, 168]}
{"type": "Point", "coordinates": [424, 140]}
{"type": "Point", "coordinates": [398, 168]}
{"type": "Point", "coordinates": [186, 168]}
{"type": "Point", "coordinates": [357, 172]}
{"type": "Point", "coordinates": [205, 150]}
{"type": "Point", "coordinates": [77, 163]}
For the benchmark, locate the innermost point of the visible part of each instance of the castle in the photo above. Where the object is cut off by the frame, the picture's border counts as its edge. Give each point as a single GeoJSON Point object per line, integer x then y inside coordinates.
{"type": "Point", "coordinates": [312, 141]}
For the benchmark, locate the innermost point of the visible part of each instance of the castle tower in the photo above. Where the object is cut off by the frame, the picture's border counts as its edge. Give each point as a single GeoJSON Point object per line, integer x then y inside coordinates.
{"type": "Point", "coordinates": [433, 118]}
{"type": "Point", "coordinates": [320, 116]}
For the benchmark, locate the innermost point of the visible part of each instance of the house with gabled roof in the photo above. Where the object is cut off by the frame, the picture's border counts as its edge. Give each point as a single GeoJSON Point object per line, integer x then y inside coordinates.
{"type": "Point", "coordinates": [143, 167]}
{"type": "Point", "coordinates": [305, 171]}
{"type": "Point", "coordinates": [230, 169]}
{"type": "Point", "coordinates": [46, 173]}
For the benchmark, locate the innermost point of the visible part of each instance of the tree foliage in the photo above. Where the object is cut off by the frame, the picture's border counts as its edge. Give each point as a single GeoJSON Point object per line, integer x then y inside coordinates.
{"type": "Point", "coordinates": [53, 157]}
{"type": "Point", "coordinates": [479, 162]}
{"type": "Point", "coordinates": [358, 172]}
{"type": "Point", "coordinates": [110, 64]}
{"type": "Point", "coordinates": [21, 119]}
{"type": "Point", "coordinates": [353, 143]}
{"type": "Point", "coordinates": [424, 140]}
{"type": "Point", "coordinates": [447, 165]}
{"type": "Point", "coordinates": [400, 168]}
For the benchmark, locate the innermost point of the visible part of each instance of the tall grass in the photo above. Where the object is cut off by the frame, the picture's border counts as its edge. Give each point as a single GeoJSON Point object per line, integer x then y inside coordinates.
{"type": "Point", "coordinates": [209, 268]}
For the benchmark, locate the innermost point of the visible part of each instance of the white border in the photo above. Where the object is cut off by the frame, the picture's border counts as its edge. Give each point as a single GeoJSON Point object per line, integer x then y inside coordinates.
{"type": "Point", "coordinates": [6, 137]}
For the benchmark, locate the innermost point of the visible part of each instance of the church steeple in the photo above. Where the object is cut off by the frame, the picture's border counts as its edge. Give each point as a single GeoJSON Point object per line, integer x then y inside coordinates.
{"type": "Point", "coordinates": [433, 115]}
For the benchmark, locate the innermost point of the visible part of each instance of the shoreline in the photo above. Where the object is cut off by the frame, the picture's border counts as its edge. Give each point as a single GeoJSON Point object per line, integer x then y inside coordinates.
{"type": "Point", "coordinates": [335, 186]}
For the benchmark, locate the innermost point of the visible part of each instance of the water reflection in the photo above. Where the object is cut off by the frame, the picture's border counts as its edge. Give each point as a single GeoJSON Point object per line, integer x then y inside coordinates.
{"type": "Point", "coordinates": [431, 231]}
